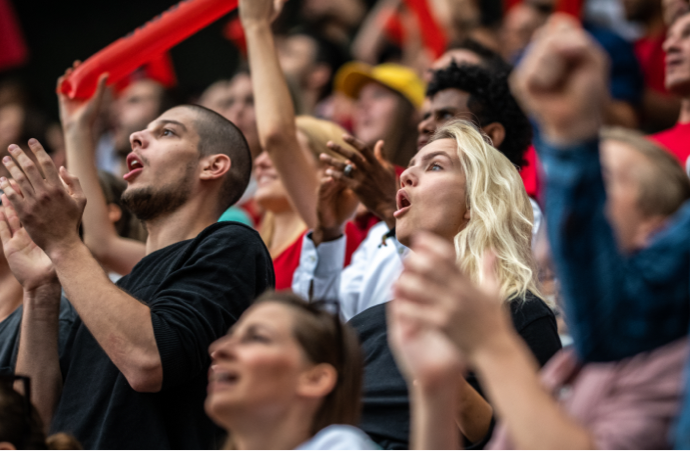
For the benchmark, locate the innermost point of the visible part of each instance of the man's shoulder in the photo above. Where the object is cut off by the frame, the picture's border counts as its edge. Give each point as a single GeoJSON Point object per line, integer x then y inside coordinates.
{"type": "Point", "coordinates": [229, 231]}
{"type": "Point", "coordinates": [220, 248]}
{"type": "Point", "coordinates": [224, 238]}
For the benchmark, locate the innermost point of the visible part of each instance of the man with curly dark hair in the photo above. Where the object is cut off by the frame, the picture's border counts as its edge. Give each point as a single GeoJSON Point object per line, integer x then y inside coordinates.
{"type": "Point", "coordinates": [477, 94]}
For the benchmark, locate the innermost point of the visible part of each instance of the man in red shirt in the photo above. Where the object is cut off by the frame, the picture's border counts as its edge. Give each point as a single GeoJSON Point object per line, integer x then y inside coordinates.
{"type": "Point", "coordinates": [677, 48]}
{"type": "Point", "coordinates": [659, 107]}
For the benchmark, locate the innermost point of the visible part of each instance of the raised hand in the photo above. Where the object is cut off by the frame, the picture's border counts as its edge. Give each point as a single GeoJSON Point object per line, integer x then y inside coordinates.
{"type": "Point", "coordinates": [562, 81]}
{"type": "Point", "coordinates": [80, 112]}
{"type": "Point", "coordinates": [336, 205]}
{"type": "Point", "coordinates": [434, 290]}
{"type": "Point", "coordinates": [260, 10]}
{"type": "Point", "coordinates": [372, 178]}
{"type": "Point", "coordinates": [424, 354]}
{"type": "Point", "coordinates": [29, 264]}
{"type": "Point", "coordinates": [50, 209]}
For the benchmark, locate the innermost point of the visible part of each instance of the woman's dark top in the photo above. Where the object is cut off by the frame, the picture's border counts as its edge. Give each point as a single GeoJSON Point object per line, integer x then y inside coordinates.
{"type": "Point", "coordinates": [386, 408]}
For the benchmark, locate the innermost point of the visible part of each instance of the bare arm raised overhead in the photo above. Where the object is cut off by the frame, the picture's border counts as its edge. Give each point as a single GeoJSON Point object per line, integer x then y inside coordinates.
{"type": "Point", "coordinates": [274, 110]}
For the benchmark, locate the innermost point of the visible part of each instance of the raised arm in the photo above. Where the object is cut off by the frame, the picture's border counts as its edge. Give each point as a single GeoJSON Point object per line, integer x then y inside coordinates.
{"type": "Point", "coordinates": [116, 253]}
{"type": "Point", "coordinates": [614, 303]}
{"type": "Point", "coordinates": [38, 344]}
{"type": "Point", "coordinates": [274, 110]}
{"type": "Point", "coordinates": [50, 210]}
{"type": "Point", "coordinates": [434, 292]}
{"type": "Point", "coordinates": [431, 365]}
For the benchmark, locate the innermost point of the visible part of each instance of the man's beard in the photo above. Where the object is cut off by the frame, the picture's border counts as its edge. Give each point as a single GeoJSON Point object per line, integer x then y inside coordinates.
{"type": "Point", "coordinates": [149, 203]}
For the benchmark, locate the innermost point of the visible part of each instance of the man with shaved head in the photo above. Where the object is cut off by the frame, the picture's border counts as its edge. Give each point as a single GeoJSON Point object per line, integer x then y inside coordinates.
{"type": "Point", "coordinates": [135, 371]}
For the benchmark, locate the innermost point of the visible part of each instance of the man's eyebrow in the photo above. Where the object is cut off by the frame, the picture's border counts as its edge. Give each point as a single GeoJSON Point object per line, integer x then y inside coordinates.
{"type": "Point", "coordinates": [173, 122]}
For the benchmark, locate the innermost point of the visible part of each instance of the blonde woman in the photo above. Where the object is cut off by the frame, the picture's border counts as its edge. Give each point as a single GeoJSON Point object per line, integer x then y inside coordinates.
{"type": "Point", "coordinates": [289, 171]}
{"type": "Point", "coordinates": [463, 190]}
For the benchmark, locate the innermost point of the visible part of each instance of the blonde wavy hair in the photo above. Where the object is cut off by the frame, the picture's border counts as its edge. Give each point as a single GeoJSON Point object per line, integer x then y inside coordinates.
{"type": "Point", "coordinates": [500, 213]}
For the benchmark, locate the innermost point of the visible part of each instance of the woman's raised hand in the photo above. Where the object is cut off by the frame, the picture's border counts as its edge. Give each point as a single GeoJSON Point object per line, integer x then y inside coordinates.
{"type": "Point", "coordinates": [372, 177]}
{"type": "Point", "coordinates": [424, 354]}
{"type": "Point", "coordinates": [260, 10]}
{"type": "Point", "coordinates": [336, 205]}
{"type": "Point", "coordinates": [434, 290]}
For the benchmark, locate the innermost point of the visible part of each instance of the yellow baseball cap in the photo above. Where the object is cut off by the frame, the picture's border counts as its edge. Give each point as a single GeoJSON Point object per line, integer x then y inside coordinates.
{"type": "Point", "coordinates": [354, 75]}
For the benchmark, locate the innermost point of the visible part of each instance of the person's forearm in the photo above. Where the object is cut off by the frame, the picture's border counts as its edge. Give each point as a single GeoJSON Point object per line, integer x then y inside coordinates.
{"type": "Point", "coordinates": [120, 323]}
{"type": "Point", "coordinates": [433, 416]}
{"type": "Point", "coordinates": [276, 121]}
{"type": "Point", "coordinates": [116, 253]}
{"type": "Point", "coordinates": [534, 420]}
{"type": "Point", "coordinates": [473, 415]}
{"type": "Point", "coordinates": [38, 348]}
{"type": "Point", "coordinates": [584, 247]}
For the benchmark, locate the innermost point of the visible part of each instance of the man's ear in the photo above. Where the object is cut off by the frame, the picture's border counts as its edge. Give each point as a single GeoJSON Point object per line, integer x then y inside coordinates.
{"type": "Point", "coordinates": [114, 213]}
{"type": "Point", "coordinates": [214, 166]}
{"type": "Point", "coordinates": [496, 131]}
{"type": "Point", "coordinates": [318, 381]}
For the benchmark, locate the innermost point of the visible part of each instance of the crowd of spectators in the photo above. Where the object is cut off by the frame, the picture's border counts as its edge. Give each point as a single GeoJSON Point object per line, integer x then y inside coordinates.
{"type": "Point", "coordinates": [402, 224]}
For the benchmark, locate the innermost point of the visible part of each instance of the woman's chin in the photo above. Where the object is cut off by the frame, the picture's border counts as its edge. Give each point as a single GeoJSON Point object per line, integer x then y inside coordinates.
{"type": "Point", "coordinates": [219, 411]}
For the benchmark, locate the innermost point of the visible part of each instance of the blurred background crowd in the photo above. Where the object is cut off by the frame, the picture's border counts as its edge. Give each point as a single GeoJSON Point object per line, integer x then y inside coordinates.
{"type": "Point", "coordinates": [394, 74]}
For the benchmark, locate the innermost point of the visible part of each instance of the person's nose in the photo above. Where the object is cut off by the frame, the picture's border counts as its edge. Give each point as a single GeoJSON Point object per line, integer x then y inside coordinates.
{"type": "Point", "coordinates": [139, 139]}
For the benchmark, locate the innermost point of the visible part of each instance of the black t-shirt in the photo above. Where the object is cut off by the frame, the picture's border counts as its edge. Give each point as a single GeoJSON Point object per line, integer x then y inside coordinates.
{"type": "Point", "coordinates": [11, 326]}
{"type": "Point", "coordinates": [196, 289]}
{"type": "Point", "coordinates": [386, 408]}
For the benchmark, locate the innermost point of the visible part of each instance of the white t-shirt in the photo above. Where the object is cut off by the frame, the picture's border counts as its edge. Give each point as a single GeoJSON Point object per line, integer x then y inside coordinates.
{"type": "Point", "coordinates": [339, 436]}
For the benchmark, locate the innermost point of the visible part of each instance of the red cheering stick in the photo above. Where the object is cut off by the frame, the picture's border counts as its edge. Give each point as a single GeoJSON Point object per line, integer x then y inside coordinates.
{"type": "Point", "coordinates": [126, 54]}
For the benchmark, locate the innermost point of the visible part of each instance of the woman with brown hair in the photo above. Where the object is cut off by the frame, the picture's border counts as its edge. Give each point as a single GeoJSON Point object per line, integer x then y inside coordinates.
{"type": "Point", "coordinates": [287, 375]}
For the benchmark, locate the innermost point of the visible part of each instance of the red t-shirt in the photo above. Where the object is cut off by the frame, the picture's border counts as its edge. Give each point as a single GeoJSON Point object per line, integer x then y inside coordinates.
{"type": "Point", "coordinates": [676, 140]}
{"type": "Point", "coordinates": [285, 264]}
{"type": "Point", "coordinates": [652, 59]}
{"type": "Point", "coordinates": [529, 173]}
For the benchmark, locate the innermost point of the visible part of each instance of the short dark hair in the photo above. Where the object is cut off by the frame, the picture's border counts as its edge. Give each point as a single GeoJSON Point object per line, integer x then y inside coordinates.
{"type": "Point", "coordinates": [217, 135]}
{"type": "Point", "coordinates": [490, 59]}
{"type": "Point", "coordinates": [490, 101]}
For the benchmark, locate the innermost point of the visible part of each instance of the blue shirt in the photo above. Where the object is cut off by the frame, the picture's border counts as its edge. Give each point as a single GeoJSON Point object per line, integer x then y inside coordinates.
{"type": "Point", "coordinates": [617, 305]}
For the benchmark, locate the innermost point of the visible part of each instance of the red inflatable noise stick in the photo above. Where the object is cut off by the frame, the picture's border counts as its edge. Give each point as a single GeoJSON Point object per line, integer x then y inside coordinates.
{"type": "Point", "coordinates": [125, 55]}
